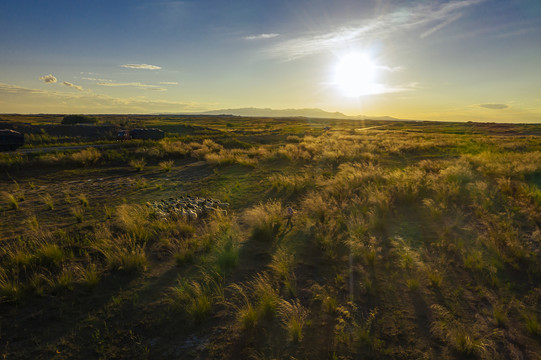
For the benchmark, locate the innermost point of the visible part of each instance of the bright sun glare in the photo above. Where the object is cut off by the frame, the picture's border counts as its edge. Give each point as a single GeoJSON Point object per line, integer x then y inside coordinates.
{"type": "Point", "coordinates": [355, 75]}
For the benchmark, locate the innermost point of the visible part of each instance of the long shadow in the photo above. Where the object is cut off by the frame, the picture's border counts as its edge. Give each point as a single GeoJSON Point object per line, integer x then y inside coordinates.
{"type": "Point", "coordinates": [31, 326]}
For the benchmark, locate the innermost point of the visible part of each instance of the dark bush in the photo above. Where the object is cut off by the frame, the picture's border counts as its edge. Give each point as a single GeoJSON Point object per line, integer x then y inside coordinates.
{"type": "Point", "coordinates": [78, 119]}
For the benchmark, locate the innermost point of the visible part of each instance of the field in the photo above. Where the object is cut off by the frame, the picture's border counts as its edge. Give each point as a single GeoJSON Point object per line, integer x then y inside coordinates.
{"type": "Point", "coordinates": [407, 240]}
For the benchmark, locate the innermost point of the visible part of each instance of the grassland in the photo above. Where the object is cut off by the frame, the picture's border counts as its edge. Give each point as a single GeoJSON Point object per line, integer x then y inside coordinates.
{"type": "Point", "coordinates": [408, 240]}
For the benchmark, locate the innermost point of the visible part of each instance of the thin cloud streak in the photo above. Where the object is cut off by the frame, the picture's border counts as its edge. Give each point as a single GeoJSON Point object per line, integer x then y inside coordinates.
{"type": "Point", "coordinates": [95, 79]}
{"type": "Point", "coordinates": [132, 84]}
{"type": "Point", "coordinates": [440, 26]}
{"type": "Point", "coordinates": [76, 87]}
{"type": "Point", "coordinates": [494, 106]}
{"type": "Point", "coordinates": [8, 89]}
{"type": "Point", "coordinates": [261, 36]}
{"type": "Point", "coordinates": [379, 28]}
{"type": "Point", "coordinates": [141, 66]}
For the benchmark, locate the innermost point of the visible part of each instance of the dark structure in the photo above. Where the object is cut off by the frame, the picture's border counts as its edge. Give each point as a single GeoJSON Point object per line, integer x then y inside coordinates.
{"type": "Point", "coordinates": [123, 135]}
{"type": "Point", "coordinates": [147, 134]}
{"type": "Point", "coordinates": [10, 140]}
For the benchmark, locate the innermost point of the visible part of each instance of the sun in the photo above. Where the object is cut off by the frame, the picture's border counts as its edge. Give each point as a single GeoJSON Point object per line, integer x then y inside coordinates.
{"type": "Point", "coordinates": [355, 75]}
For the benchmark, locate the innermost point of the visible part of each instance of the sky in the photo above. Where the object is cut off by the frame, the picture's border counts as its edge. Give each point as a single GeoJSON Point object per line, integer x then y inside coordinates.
{"type": "Point", "coordinates": [454, 60]}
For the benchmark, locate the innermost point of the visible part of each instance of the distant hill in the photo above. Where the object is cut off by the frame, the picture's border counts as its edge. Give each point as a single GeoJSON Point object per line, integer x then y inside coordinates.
{"type": "Point", "coordinates": [309, 113]}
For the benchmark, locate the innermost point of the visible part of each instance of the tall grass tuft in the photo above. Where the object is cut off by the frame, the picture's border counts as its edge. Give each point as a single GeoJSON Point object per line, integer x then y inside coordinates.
{"type": "Point", "coordinates": [83, 200]}
{"type": "Point", "coordinates": [138, 164]}
{"type": "Point", "coordinates": [197, 297]}
{"type": "Point", "coordinates": [228, 255]}
{"type": "Point", "coordinates": [254, 301]}
{"type": "Point", "coordinates": [265, 220]}
{"type": "Point", "coordinates": [86, 156]}
{"type": "Point", "coordinates": [11, 200]}
{"type": "Point", "coordinates": [90, 276]}
{"type": "Point", "coordinates": [123, 254]}
{"type": "Point", "coordinates": [166, 166]}
{"type": "Point", "coordinates": [134, 220]}
{"type": "Point", "coordinates": [48, 201]}
{"type": "Point", "coordinates": [467, 340]}
{"type": "Point", "coordinates": [531, 323]}
{"type": "Point", "coordinates": [293, 317]}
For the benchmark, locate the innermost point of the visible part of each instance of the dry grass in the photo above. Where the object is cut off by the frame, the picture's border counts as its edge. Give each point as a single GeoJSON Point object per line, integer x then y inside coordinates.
{"type": "Point", "coordinates": [293, 317]}
{"type": "Point", "coordinates": [265, 220]}
{"type": "Point", "coordinates": [86, 157]}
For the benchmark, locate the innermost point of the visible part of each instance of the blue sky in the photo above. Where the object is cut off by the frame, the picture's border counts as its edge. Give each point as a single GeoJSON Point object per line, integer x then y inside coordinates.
{"type": "Point", "coordinates": [437, 60]}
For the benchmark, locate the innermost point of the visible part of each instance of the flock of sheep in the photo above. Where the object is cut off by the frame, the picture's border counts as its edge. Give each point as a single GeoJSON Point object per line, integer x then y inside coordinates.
{"type": "Point", "coordinates": [188, 207]}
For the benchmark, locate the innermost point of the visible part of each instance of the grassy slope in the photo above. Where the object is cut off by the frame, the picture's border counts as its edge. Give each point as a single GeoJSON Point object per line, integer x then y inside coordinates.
{"type": "Point", "coordinates": [412, 240]}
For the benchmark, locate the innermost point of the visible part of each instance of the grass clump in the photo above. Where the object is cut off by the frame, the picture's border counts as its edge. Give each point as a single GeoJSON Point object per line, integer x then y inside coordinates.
{"type": "Point", "coordinates": [293, 317]}
{"type": "Point", "coordinates": [83, 200]}
{"type": "Point", "coordinates": [265, 220]}
{"type": "Point", "coordinates": [166, 166]}
{"type": "Point", "coordinates": [90, 276]}
{"type": "Point", "coordinates": [86, 156]}
{"type": "Point", "coordinates": [413, 284]}
{"type": "Point", "coordinates": [12, 201]}
{"type": "Point", "coordinates": [466, 340]}
{"type": "Point", "coordinates": [138, 164]}
{"type": "Point", "coordinates": [531, 323]}
{"type": "Point", "coordinates": [134, 220]}
{"type": "Point", "coordinates": [196, 298]}
{"type": "Point", "coordinates": [254, 301]}
{"type": "Point", "coordinates": [282, 267]}
{"type": "Point", "coordinates": [48, 201]}
{"type": "Point", "coordinates": [78, 212]}
{"type": "Point", "coordinates": [228, 256]}
{"type": "Point", "coordinates": [124, 254]}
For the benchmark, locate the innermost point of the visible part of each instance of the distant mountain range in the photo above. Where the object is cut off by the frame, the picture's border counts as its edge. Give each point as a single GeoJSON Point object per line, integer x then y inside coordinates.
{"type": "Point", "coordinates": [308, 113]}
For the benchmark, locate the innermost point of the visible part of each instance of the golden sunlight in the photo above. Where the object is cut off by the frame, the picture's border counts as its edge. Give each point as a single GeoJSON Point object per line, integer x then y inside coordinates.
{"type": "Point", "coordinates": [355, 75]}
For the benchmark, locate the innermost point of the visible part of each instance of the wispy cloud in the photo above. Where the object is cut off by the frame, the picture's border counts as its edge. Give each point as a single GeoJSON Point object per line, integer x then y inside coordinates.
{"type": "Point", "coordinates": [440, 26]}
{"type": "Point", "coordinates": [133, 84]}
{"type": "Point", "coordinates": [8, 89]}
{"type": "Point", "coordinates": [77, 87]}
{"type": "Point", "coordinates": [169, 83]}
{"type": "Point", "coordinates": [96, 79]}
{"type": "Point", "coordinates": [428, 17]}
{"type": "Point", "coordinates": [141, 66]}
{"type": "Point", "coordinates": [15, 98]}
{"type": "Point", "coordinates": [494, 106]}
{"type": "Point", "coordinates": [261, 36]}
{"type": "Point", "coordinates": [50, 79]}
